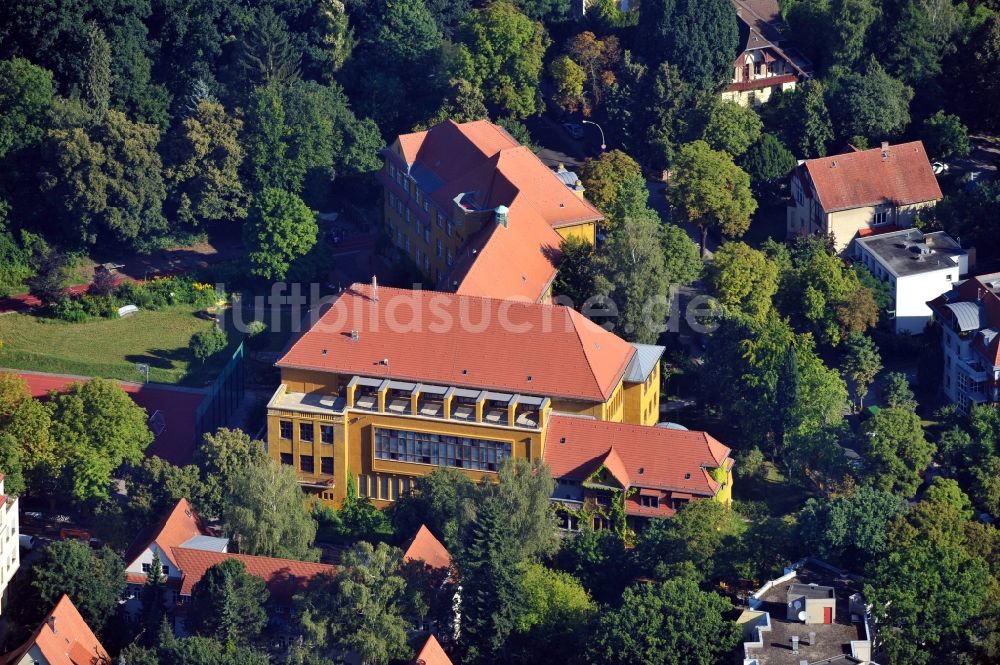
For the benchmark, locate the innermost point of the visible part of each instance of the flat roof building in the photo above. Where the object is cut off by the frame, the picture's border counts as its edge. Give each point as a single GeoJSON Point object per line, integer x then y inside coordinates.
{"type": "Point", "coordinates": [917, 267]}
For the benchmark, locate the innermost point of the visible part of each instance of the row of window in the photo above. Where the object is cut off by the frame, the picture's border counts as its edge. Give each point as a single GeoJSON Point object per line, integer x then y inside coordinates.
{"type": "Point", "coordinates": [440, 449]}
{"type": "Point", "coordinates": [307, 432]}
{"type": "Point", "coordinates": [307, 463]}
{"type": "Point", "coordinates": [383, 487]}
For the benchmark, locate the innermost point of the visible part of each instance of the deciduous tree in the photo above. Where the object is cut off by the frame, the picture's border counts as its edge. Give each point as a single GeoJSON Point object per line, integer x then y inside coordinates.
{"type": "Point", "coordinates": [733, 127]}
{"type": "Point", "coordinates": [745, 280]}
{"type": "Point", "coordinates": [944, 136]}
{"type": "Point", "coordinates": [862, 363]}
{"type": "Point", "coordinates": [94, 581]}
{"type": "Point", "coordinates": [568, 79]}
{"type": "Point", "coordinates": [712, 191]}
{"type": "Point", "coordinates": [280, 229]}
{"type": "Point", "coordinates": [896, 451]}
{"type": "Point", "coordinates": [615, 184]}
{"type": "Point", "coordinates": [26, 93]}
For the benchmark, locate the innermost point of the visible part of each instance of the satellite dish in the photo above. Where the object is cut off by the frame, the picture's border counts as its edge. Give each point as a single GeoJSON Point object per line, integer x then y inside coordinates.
{"type": "Point", "coordinates": [797, 604]}
{"type": "Point", "coordinates": [802, 615]}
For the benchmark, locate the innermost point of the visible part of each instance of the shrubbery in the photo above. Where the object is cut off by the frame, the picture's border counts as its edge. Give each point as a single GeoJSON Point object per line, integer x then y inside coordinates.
{"type": "Point", "coordinates": [158, 293]}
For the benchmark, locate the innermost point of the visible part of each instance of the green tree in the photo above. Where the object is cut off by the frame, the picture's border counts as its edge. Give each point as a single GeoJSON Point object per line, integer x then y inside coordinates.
{"type": "Point", "coordinates": [862, 363]}
{"type": "Point", "coordinates": [698, 533]}
{"type": "Point", "coordinates": [444, 500]}
{"type": "Point", "coordinates": [986, 484]}
{"type": "Point", "coordinates": [265, 513]}
{"type": "Point", "coordinates": [680, 255]}
{"type": "Point", "coordinates": [280, 229]}
{"type": "Point", "coordinates": [94, 581]}
{"type": "Point", "coordinates": [577, 271]}
{"type": "Point", "coordinates": [194, 650]}
{"type": "Point", "coordinates": [598, 58]}
{"type": "Point", "coordinates": [107, 178]}
{"type": "Point", "coordinates": [947, 491]}
{"type": "Point", "coordinates": [744, 279]}
{"type": "Point", "coordinates": [26, 447]}
{"type": "Point", "coordinates": [524, 493]}
{"type": "Point", "coordinates": [927, 551]}
{"type": "Point", "coordinates": [871, 104]}
{"type": "Point", "coordinates": [155, 486]}
{"type": "Point", "coordinates": [965, 215]}
{"type": "Point", "coordinates": [733, 128]}
{"type": "Point", "coordinates": [712, 191]}
{"type": "Point", "coordinates": [96, 427]}
{"type": "Point", "coordinates": [267, 55]}
{"type": "Point", "coordinates": [978, 86]}
{"type": "Point", "coordinates": [801, 119]}
{"type": "Point", "coordinates": [204, 155]}
{"type": "Point", "coordinates": [896, 450]}
{"type": "Point", "coordinates": [669, 623]}
{"type": "Point", "coordinates": [554, 612]}
{"type": "Point", "coordinates": [632, 274]}
{"type": "Point", "coordinates": [944, 136]}
{"type": "Point", "coordinates": [850, 528]}
{"type": "Point", "coordinates": [26, 93]}
{"type": "Point", "coordinates": [698, 36]}
{"type": "Point", "coordinates": [925, 31]}
{"type": "Point", "coordinates": [568, 79]}
{"type": "Point", "coordinates": [852, 19]}
{"type": "Point", "coordinates": [50, 281]}
{"type": "Point", "coordinates": [206, 343]}
{"type": "Point", "coordinates": [152, 602]}
{"type": "Point", "coordinates": [598, 560]}
{"type": "Point", "coordinates": [768, 162]}
{"type": "Point", "coordinates": [896, 391]}
{"type": "Point", "coordinates": [502, 51]}
{"type": "Point", "coordinates": [227, 604]}
{"type": "Point", "coordinates": [220, 458]}
{"type": "Point", "coordinates": [367, 592]}
{"type": "Point", "coordinates": [97, 80]}
{"type": "Point", "coordinates": [265, 139]}
{"type": "Point", "coordinates": [489, 585]}
{"type": "Point", "coordinates": [615, 184]}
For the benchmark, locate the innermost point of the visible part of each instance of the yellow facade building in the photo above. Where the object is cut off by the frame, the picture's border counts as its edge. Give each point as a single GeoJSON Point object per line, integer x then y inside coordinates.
{"type": "Point", "coordinates": [478, 213]}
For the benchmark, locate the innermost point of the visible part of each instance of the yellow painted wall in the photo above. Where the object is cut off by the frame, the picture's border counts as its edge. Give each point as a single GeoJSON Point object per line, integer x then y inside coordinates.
{"type": "Point", "coordinates": [586, 231]}
{"type": "Point", "coordinates": [353, 448]}
{"type": "Point", "coordinates": [642, 400]}
{"type": "Point", "coordinates": [845, 224]}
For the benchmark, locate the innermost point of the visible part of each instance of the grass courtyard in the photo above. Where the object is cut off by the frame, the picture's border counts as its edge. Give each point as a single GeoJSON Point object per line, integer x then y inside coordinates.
{"type": "Point", "coordinates": [110, 347]}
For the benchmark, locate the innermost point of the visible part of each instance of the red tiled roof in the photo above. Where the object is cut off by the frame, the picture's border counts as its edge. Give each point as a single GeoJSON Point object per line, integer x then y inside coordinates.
{"type": "Point", "coordinates": [459, 340]}
{"type": "Point", "coordinates": [432, 654]}
{"type": "Point", "coordinates": [283, 577]}
{"type": "Point", "coordinates": [482, 159]}
{"type": "Point", "coordinates": [64, 638]}
{"type": "Point", "coordinates": [179, 526]}
{"type": "Point", "coordinates": [976, 290]}
{"type": "Point", "coordinates": [902, 176]}
{"type": "Point", "coordinates": [425, 547]}
{"type": "Point", "coordinates": [651, 456]}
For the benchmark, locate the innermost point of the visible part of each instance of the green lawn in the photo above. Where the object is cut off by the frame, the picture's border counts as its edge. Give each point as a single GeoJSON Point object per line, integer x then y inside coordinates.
{"type": "Point", "coordinates": [110, 347]}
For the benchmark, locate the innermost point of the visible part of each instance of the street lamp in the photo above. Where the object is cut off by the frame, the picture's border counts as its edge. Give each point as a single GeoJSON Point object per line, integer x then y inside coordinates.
{"type": "Point", "coordinates": [603, 144]}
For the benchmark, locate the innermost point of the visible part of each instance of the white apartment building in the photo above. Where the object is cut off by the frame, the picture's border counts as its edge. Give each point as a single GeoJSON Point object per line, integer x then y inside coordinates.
{"type": "Point", "coordinates": [10, 552]}
{"type": "Point", "coordinates": [969, 316]}
{"type": "Point", "coordinates": [917, 267]}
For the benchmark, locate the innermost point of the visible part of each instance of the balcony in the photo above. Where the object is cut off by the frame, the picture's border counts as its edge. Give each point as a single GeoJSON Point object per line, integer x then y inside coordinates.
{"type": "Point", "coordinates": [418, 400]}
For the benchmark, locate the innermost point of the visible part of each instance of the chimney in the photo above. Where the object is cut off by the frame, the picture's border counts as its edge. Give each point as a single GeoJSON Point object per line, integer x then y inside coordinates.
{"type": "Point", "coordinates": [885, 146]}
{"type": "Point", "coordinates": [795, 644]}
{"type": "Point", "coordinates": [52, 623]}
{"type": "Point", "coordinates": [812, 638]}
{"type": "Point", "coordinates": [501, 213]}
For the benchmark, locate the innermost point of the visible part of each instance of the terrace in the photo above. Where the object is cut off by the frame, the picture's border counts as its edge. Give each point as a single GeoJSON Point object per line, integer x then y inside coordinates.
{"type": "Point", "coordinates": [419, 400]}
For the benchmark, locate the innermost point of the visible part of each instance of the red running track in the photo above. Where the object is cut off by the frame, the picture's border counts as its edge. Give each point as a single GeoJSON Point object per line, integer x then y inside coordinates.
{"type": "Point", "coordinates": [176, 443]}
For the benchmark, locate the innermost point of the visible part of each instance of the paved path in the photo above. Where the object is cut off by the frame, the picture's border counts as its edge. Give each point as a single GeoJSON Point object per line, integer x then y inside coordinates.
{"type": "Point", "coordinates": [178, 404]}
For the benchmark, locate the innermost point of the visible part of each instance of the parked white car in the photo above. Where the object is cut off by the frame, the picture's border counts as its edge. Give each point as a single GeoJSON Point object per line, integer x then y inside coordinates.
{"type": "Point", "coordinates": [939, 168]}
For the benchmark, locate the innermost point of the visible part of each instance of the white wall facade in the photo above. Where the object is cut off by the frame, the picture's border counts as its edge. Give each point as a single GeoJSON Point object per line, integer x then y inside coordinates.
{"type": "Point", "coordinates": [10, 547]}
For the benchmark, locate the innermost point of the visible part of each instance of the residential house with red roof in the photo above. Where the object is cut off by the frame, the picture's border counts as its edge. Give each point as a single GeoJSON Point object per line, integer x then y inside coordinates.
{"type": "Point", "coordinates": [478, 213]}
{"type": "Point", "coordinates": [187, 549]}
{"type": "Point", "coordinates": [427, 549]}
{"type": "Point", "coordinates": [969, 320]}
{"type": "Point", "coordinates": [432, 654]}
{"type": "Point", "coordinates": [861, 193]}
{"type": "Point", "coordinates": [428, 564]}
{"type": "Point", "coordinates": [764, 64]}
{"type": "Point", "coordinates": [63, 638]}
{"type": "Point", "coordinates": [389, 384]}
{"type": "Point", "coordinates": [649, 471]}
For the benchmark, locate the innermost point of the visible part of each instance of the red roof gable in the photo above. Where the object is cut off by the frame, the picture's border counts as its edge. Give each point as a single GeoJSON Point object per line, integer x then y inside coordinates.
{"type": "Point", "coordinates": [901, 175]}
{"type": "Point", "coordinates": [178, 527]}
{"type": "Point", "coordinates": [459, 340]}
{"type": "Point", "coordinates": [425, 547]}
{"type": "Point", "coordinates": [481, 159]}
{"type": "Point", "coordinates": [432, 654]}
{"type": "Point", "coordinates": [64, 638]}
{"type": "Point", "coordinates": [651, 456]}
{"type": "Point", "coordinates": [283, 577]}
